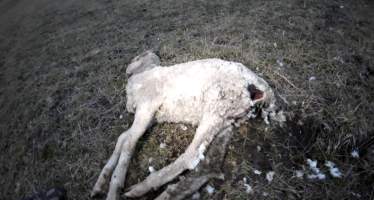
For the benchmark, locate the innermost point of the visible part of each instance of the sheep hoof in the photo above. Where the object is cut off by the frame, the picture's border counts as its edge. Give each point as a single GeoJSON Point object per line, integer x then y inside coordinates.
{"type": "Point", "coordinates": [95, 193]}
{"type": "Point", "coordinates": [136, 190]}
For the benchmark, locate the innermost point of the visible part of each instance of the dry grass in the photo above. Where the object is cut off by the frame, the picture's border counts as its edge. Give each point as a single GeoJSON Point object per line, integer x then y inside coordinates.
{"type": "Point", "coordinates": [63, 90]}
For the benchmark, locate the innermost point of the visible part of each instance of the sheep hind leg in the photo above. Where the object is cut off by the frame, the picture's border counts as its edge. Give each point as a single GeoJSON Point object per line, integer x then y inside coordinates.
{"type": "Point", "coordinates": [208, 169]}
{"type": "Point", "coordinates": [205, 133]}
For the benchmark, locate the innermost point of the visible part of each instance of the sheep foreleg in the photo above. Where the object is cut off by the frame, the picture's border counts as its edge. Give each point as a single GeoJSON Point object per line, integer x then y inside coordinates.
{"type": "Point", "coordinates": [121, 156]}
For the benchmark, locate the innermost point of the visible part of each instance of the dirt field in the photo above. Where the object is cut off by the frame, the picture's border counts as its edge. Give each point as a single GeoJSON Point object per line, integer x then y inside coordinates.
{"type": "Point", "coordinates": [62, 91]}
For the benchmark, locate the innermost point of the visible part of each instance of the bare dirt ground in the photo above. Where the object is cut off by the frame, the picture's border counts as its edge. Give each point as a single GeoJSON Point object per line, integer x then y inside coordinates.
{"type": "Point", "coordinates": [62, 91]}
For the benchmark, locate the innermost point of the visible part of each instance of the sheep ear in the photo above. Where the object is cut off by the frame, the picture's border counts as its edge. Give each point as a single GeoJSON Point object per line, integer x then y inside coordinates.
{"type": "Point", "coordinates": [255, 93]}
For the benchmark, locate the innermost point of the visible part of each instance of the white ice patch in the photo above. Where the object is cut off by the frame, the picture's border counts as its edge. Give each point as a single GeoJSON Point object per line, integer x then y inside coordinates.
{"type": "Point", "coordinates": [316, 172]}
{"type": "Point", "coordinates": [280, 63]}
{"type": "Point", "coordinates": [355, 153]}
{"type": "Point", "coordinates": [270, 176]}
{"type": "Point", "coordinates": [247, 187]}
{"type": "Point", "coordinates": [184, 127]}
{"type": "Point", "coordinates": [162, 145]}
{"type": "Point", "coordinates": [151, 169]}
{"type": "Point", "coordinates": [312, 164]}
{"type": "Point", "coordinates": [210, 189]}
{"type": "Point", "coordinates": [258, 148]}
{"type": "Point", "coordinates": [299, 173]}
{"type": "Point", "coordinates": [312, 78]}
{"type": "Point", "coordinates": [317, 176]}
{"type": "Point", "coordinates": [334, 171]}
{"type": "Point", "coordinates": [258, 172]}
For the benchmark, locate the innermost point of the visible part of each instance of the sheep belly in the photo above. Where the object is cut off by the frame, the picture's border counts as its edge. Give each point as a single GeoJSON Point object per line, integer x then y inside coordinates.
{"type": "Point", "coordinates": [182, 103]}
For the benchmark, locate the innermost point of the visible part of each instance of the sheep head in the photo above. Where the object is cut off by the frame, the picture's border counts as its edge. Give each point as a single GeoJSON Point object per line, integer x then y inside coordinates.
{"type": "Point", "coordinates": [143, 62]}
{"type": "Point", "coordinates": [263, 97]}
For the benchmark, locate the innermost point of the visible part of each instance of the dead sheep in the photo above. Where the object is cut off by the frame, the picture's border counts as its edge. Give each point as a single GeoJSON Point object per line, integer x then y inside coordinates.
{"type": "Point", "coordinates": [209, 93]}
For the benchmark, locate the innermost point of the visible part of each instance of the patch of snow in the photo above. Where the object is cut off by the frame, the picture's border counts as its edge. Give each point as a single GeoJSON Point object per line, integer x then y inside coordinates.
{"type": "Point", "coordinates": [316, 173]}
{"type": "Point", "coordinates": [299, 173]}
{"type": "Point", "coordinates": [258, 148]}
{"type": "Point", "coordinates": [184, 127]}
{"type": "Point", "coordinates": [210, 189]}
{"type": "Point", "coordinates": [251, 114]}
{"type": "Point", "coordinates": [121, 116]}
{"type": "Point", "coordinates": [258, 172]}
{"type": "Point", "coordinates": [356, 194]}
{"type": "Point", "coordinates": [334, 171]}
{"type": "Point", "coordinates": [151, 169]}
{"type": "Point", "coordinates": [317, 176]}
{"type": "Point", "coordinates": [280, 63]}
{"type": "Point", "coordinates": [312, 78]}
{"type": "Point", "coordinates": [162, 145]}
{"type": "Point", "coordinates": [312, 163]}
{"type": "Point", "coordinates": [248, 188]}
{"type": "Point", "coordinates": [355, 153]}
{"type": "Point", "coordinates": [270, 176]}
